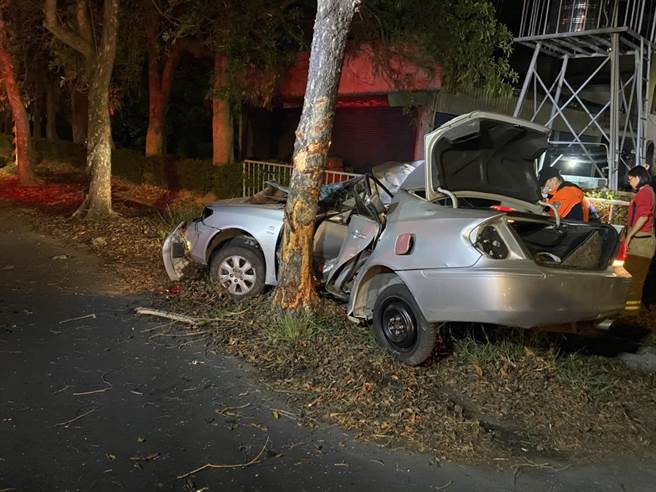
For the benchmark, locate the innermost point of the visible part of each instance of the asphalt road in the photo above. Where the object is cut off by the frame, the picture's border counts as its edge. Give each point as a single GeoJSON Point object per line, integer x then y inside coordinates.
{"type": "Point", "coordinates": [98, 403]}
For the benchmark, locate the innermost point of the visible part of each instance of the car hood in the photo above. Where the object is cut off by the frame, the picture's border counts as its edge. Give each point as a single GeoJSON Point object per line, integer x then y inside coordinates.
{"type": "Point", "coordinates": [487, 153]}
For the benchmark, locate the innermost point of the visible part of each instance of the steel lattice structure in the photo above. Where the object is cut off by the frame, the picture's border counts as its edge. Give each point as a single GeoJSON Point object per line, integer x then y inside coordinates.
{"type": "Point", "coordinates": [590, 73]}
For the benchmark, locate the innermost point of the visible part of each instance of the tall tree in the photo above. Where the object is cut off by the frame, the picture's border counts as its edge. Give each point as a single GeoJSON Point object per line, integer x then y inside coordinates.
{"type": "Point", "coordinates": [164, 53]}
{"type": "Point", "coordinates": [99, 62]}
{"type": "Point", "coordinates": [19, 114]}
{"type": "Point", "coordinates": [464, 38]}
{"type": "Point", "coordinates": [252, 42]}
{"type": "Point", "coordinates": [331, 28]}
{"type": "Point", "coordinates": [222, 132]}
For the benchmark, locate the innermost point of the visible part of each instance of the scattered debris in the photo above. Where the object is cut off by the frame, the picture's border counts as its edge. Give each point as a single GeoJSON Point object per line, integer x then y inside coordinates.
{"type": "Point", "coordinates": [86, 316]}
{"type": "Point", "coordinates": [60, 390]}
{"type": "Point", "coordinates": [227, 411]}
{"type": "Point", "coordinates": [99, 242]}
{"type": "Point", "coordinates": [148, 457]}
{"type": "Point", "coordinates": [107, 387]}
{"type": "Point", "coordinates": [163, 314]}
{"type": "Point", "coordinates": [60, 257]}
{"type": "Point", "coordinates": [445, 486]}
{"type": "Point", "coordinates": [181, 317]}
{"type": "Point", "coordinates": [69, 422]}
{"type": "Point", "coordinates": [239, 465]}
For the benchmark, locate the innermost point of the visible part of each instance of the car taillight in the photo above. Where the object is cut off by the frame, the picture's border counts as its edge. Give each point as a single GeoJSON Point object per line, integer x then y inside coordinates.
{"type": "Point", "coordinates": [501, 208]}
{"type": "Point", "coordinates": [620, 256]}
{"type": "Point", "coordinates": [489, 242]}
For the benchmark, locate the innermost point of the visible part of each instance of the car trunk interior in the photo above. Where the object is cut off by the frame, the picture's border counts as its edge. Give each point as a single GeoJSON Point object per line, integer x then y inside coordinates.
{"type": "Point", "coordinates": [572, 245]}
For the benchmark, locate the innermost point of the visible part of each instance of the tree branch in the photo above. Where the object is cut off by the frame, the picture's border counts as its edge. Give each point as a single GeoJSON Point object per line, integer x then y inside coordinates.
{"type": "Point", "coordinates": [82, 14]}
{"type": "Point", "coordinates": [110, 30]}
{"type": "Point", "coordinates": [66, 36]}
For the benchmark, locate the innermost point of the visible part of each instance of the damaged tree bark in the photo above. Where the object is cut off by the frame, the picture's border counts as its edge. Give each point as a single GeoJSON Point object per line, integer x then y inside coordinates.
{"type": "Point", "coordinates": [19, 114]}
{"type": "Point", "coordinates": [331, 27]}
{"type": "Point", "coordinates": [99, 63]}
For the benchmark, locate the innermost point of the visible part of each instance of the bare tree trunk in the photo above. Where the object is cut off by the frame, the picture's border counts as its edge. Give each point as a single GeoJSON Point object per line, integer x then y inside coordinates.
{"type": "Point", "coordinates": [331, 26]}
{"type": "Point", "coordinates": [51, 110]}
{"type": "Point", "coordinates": [222, 132]}
{"type": "Point", "coordinates": [21, 123]}
{"type": "Point", "coordinates": [99, 63]}
{"type": "Point", "coordinates": [160, 81]}
{"type": "Point", "coordinates": [79, 115]}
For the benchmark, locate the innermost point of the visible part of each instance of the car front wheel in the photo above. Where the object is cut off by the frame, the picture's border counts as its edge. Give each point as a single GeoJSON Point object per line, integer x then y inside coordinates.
{"type": "Point", "coordinates": [400, 327]}
{"type": "Point", "coordinates": [238, 271]}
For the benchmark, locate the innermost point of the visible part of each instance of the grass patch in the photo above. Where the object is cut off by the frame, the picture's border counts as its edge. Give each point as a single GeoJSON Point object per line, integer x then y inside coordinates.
{"type": "Point", "coordinates": [479, 346]}
{"type": "Point", "coordinates": [292, 328]}
{"type": "Point", "coordinates": [589, 374]}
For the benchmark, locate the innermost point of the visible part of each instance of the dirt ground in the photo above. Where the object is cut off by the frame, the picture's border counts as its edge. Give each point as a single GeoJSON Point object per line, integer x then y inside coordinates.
{"type": "Point", "coordinates": [489, 395]}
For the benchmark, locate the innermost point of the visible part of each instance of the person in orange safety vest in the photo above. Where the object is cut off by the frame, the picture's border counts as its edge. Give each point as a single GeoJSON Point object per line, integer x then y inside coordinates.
{"type": "Point", "coordinates": [566, 197]}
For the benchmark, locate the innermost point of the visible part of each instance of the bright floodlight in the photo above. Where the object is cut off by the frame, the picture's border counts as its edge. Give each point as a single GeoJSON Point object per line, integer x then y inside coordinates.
{"type": "Point", "coordinates": [571, 163]}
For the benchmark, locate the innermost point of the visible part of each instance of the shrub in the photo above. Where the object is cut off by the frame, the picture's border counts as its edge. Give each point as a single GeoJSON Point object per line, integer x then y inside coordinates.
{"type": "Point", "coordinates": [199, 176]}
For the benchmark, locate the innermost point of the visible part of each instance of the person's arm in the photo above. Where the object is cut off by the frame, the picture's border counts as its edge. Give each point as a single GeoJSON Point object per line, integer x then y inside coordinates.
{"type": "Point", "coordinates": [641, 221]}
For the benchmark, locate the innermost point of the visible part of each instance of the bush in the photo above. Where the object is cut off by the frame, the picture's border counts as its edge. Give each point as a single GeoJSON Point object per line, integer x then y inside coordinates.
{"type": "Point", "coordinates": [194, 175]}
{"type": "Point", "coordinates": [6, 148]}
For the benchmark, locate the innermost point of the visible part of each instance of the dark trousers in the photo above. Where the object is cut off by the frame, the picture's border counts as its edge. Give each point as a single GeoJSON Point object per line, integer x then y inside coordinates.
{"type": "Point", "coordinates": [638, 267]}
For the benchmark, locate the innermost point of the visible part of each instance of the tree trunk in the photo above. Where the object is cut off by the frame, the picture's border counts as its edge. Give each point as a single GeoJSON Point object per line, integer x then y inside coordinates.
{"type": "Point", "coordinates": [37, 116]}
{"type": "Point", "coordinates": [98, 203]}
{"type": "Point", "coordinates": [79, 115]}
{"type": "Point", "coordinates": [222, 133]}
{"type": "Point", "coordinates": [296, 282]}
{"type": "Point", "coordinates": [19, 114]}
{"type": "Point", "coordinates": [99, 61]}
{"type": "Point", "coordinates": [159, 91]}
{"type": "Point", "coordinates": [51, 111]}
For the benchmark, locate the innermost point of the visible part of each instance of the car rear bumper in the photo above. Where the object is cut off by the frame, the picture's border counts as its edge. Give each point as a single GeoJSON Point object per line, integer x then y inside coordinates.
{"type": "Point", "coordinates": [526, 299]}
{"type": "Point", "coordinates": [173, 253]}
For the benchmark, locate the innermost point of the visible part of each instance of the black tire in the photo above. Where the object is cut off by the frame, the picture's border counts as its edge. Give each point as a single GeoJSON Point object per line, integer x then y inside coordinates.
{"type": "Point", "coordinates": [238, 271]}
{"type": "Point", "coordinates": [400, 327]}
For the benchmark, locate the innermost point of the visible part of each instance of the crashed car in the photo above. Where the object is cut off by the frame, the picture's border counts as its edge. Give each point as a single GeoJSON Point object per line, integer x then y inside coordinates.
{"type": "Point", "coordinates": [464, 237]}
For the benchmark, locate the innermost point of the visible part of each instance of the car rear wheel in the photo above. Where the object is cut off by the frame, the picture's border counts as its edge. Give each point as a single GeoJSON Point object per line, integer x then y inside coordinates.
{"type": "Point", "coordinates": [400, 327]}
{"type": "Point", "coordinates": [238, 271]}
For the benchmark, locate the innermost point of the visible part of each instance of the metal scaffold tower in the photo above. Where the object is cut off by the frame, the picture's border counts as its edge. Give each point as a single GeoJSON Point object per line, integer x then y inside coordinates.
{"type": "Point", "coordinates": [589, 77]}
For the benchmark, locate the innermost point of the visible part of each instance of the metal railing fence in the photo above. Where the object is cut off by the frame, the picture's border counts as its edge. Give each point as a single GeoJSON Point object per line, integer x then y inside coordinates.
{"type": "Point", "coordinates": [256, 173]}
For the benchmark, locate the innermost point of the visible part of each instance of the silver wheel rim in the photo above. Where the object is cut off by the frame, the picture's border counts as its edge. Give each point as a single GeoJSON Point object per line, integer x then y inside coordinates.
{"type": "Point", "coordinates": [237, 275]}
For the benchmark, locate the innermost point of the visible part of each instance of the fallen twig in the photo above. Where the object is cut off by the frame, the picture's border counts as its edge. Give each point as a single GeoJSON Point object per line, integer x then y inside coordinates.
{"type": "Point", "coordinates": [86, 316]}
{"type": "Point", "coordinates": [149, 457]}
{"type": "Point", "coordinates": [285, 413]}
{"type": "Point", "coordinates": [227, 410]}
{"type": "Point", "coordinates": [60, 390]}
{"type": "Point", "coordinates": [186, 334]}
{"type": "Point", "coordinates": [68, 422]}
{"type": "Point", "coordinates": [165, 314]}
{"type": "Point", "coordinates": [182, 318]}
{"type": "Point", "coordinates": [445, 486]}
{"type": "Point", "coordinates": [239, 465]}
{"type": "Point", "coordinates": [102, 390]}
{"type": "Point", "coordinates": [540, 466]}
